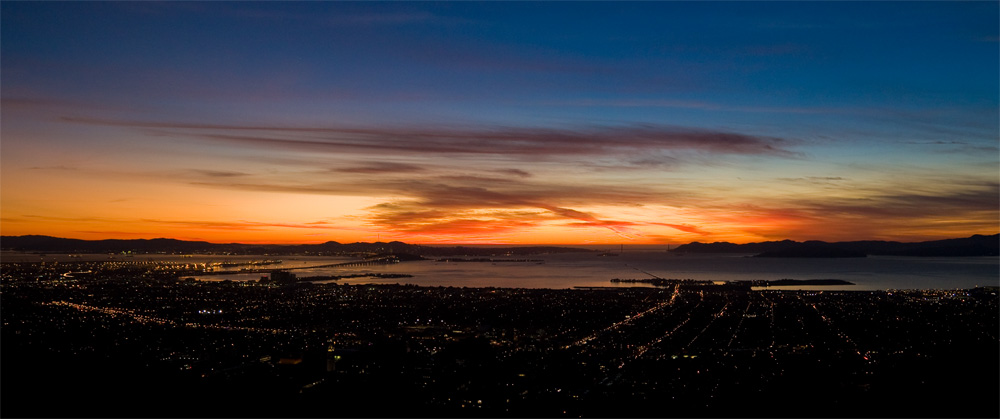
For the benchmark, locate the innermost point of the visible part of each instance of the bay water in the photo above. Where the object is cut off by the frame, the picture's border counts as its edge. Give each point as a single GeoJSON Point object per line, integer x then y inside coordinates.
{"type": "Point", "coordinates": [590, 269]}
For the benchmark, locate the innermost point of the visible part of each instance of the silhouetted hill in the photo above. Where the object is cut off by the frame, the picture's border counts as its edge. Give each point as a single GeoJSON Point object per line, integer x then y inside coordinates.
{"type": "Point", "coordinates": [976, 245]}
{"type": "Point", "coordinates": [727, 247]}
{"type": "Point", "coordinates": [813, 249]}
{"type": "Point", "coordinates": [55, 244]}
{"type": "Point", "coordinates": [60, 245]}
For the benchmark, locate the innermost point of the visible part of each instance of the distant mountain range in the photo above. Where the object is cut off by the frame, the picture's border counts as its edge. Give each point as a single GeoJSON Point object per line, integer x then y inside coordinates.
{"type": "Point", "coordinates": [61, 245]}
{"type": "Point", "coordinates": [977, 245]}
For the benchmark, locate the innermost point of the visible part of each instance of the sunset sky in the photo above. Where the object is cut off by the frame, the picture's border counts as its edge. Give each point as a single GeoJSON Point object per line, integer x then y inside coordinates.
{"type": "Point", "coordinates": [562, 123]}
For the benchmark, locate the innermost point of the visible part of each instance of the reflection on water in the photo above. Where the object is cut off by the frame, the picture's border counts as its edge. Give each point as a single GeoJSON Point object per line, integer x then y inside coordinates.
{"type": "Point", "coordinates": [584, 269]}
{"type": "Point", "coordinates": [568, 270]}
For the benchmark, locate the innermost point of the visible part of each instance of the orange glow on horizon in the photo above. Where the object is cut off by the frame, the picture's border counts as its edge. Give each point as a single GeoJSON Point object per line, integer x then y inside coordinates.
{"type": "Point", "coordinates": [764, 231]}
{"type": "Point", "coordinates": [425, 131]}
{"type": "Point", "coordinates": [485, 205]}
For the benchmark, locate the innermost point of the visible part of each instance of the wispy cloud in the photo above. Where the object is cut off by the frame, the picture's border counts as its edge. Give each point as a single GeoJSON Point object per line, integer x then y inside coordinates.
{"type": "Point", "coordinates": [10, 103]}
{"type": "Point", "coordinates": [235, 225]}
{"type": "Point", "coordinates": [879, 214]}
{"type": "Point", "coordinates": [439, 205]}
{"type": "Point", "coordinates": [375, 168]}
{"type": "Point", "coordinates": [513, 172]}
{"type": "Point", "coordinates": [518, 141]}
{"type": "Point", "coordinates": [813, 179]}
{"type": "Point", "coordinates": [699, 105]}
{"type": "Point", "coordinates": [119, 233]}
{"type": "Point", "coordinates": [685, 228]}
{"type": "Point", "coordinates": [955, 147]}
{"type": "Point", "coordinates": [64, 168]}
{"type": "Point", "coordinates": [72, 219]}
{"type": "Point", "coordinates": [218, 173]}
{"type": "Point", "coordinates": [982, 197]}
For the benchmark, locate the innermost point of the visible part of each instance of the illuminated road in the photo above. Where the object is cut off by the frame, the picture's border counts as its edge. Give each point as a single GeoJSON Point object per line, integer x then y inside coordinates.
{"type": "Point", "coordinates": [628, 320]}
{"type": "Point", "coordinates": [141, 318]}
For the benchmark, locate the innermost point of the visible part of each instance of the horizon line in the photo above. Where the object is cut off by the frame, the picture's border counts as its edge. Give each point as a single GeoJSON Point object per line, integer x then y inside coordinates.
{"type": "Point", "coordinates": [440, 244]}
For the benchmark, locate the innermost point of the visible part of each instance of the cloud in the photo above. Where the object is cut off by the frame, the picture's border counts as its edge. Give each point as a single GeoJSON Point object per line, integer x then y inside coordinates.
{"type": "Point", "coordinates": [430, 201]}
{"type": "Point", "coordinates": [513, 172]}
{"type": "Point", "coordinates": [884, 215]}
{"type": "Point", "coordinates": [441, 181]}
{"type": "Point", "coordinates": [454, 192]}
{"type": "Point", "coordinates": [467, 226]}
{"type": "Point", "coordinates": [812, 179]}
{"type": "Point", "coordinates": [523, 142]}
{"type": "Point", "coordinates": [436, 206]}
{"type": "Point", "coordinates": [685, 228]}
{"type": "Point", "coordinates": [950, 204]}
{"type": "Point", "coordinates": [10, 103]}
{"type": "Point", "coordinates": [956, 147]}
{"type": "Point", "coordinates": [217, 225]}
{"type": "Point", "coordinates": [418, 217]}
{"type": "Point", "coordinates": [701, 105]}
{"type": "Point", "coordinates": [54, 168]}
{"type": "Point", "coordinates": [72, 219]}
{"type": "Point", "coordinates": [659, 162]}
{"type": "Point", "coordinates": [380, 168]}
{"type": "Point", "coordinates": [118, 233]}
{"type": "Point", "coordinates": [218, 173]}
{"type": "Point", "coordinates": [620, 228]}
{"type": "Point", "coordinates": [236, 225]}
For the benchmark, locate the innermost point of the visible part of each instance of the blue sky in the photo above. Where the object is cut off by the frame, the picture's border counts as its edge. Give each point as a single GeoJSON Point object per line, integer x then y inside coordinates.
{"type": "Point", "coordinates": [834, 112]}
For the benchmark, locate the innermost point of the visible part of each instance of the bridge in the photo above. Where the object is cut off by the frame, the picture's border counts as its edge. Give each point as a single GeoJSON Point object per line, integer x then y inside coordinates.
{"type": "Point", "coordinates": [384, 260]}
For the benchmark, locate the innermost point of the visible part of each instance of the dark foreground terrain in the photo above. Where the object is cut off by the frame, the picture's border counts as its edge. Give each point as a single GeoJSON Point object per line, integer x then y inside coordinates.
{"type": "Point", "coordinates": [140, 343]}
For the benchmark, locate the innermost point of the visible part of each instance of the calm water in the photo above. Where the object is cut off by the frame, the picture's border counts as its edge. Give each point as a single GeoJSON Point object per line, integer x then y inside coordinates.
{"type": "Point", "coordinates": [570, 270]}
{"type": "Point", "coordinates": [587, 269]}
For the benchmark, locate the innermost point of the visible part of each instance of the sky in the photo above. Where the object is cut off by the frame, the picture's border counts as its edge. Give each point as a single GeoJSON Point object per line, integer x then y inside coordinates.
{"type": "Point", "coordinates": [500, 122]}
